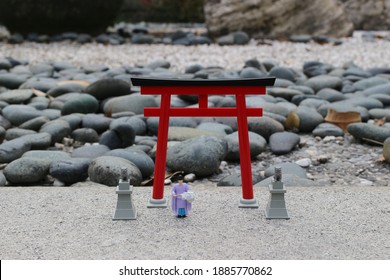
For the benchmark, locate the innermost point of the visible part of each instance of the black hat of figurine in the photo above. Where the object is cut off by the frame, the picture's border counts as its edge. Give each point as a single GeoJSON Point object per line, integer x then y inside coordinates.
{"type": "Point", "coordinates": [180, 177]}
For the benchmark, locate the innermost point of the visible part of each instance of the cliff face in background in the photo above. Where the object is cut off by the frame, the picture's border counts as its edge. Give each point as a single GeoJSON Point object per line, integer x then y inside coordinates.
{"type": "Point", "coordinates": [368, 14]}
{"type": "Point", "coordinates": [277, 18]}
{"type": "Point", "coordinates": [56, 16]}
{"type": "Point", "coordinates": [162, 11]}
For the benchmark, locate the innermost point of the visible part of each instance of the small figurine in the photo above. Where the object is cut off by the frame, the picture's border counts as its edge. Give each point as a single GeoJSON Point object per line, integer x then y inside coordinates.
{"type": "Point", "coordinates": [181, 198]}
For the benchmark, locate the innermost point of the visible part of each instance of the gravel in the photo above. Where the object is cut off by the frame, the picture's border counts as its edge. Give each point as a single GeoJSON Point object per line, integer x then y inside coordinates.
{"type": "Point", "coordinates": [364, 54]}
{"type": "Point", "coordinates": [76, 223]}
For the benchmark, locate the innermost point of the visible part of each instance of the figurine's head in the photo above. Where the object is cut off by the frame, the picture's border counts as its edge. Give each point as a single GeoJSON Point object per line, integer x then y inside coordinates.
{"type": "Point", "coordinates": [180, 179]}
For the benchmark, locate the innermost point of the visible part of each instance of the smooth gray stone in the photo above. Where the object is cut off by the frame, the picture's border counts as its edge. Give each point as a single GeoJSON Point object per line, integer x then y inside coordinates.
{"type": "Point", "coordinates": [278, 108]}
{"type": "Point", "coordinates": [35, 123]}
{"type": "Point", "coordinates": [106, 170]}
{"type": "Point", "coordinates": [177, 133]}
{"type": "Point", "coordinates": [91, 152]}
{"type": "Point", "coordinates": [73, 120]}
{"type": "Point", "coordinates": [137, 123]}
{"type": "Point", "coordinates": [15, 132]}
{"type": "Point", "coordinates": [193, 68]}
{"type": "Point", "coordinates": [26, 170]}
{"type": "Point", "coordinates": [286, 93]}
{"type": "Point", "coordinates": [38, 141]}
{"type": "Point", "coordinates": [153, 123]}
{"type": "Point", "coordinates": [70, 171]}
{"type": "Point", "coordinates": [158, 64]}
{"type": "Point", "coordinates": [58, 129]}
{"type": "Point", "coordinates": [282, 83]}
{"type": "Point", "coordinates": [290, 180]}
{"type": "Point", "coordinates": [2, 134]}
{"type": "Point", "coordinates": [299, 98]}
{"type": "Point", "coordinates": [40, 84]}
{"type": "Point", "coordinates": [18, 114]}
{"type": "Point", "coordinates": [84, 104]}
{"type": "Point", "coordinates": [215, 127]}
{"type": "Point", "coordinates": [106, 88]}
{"type": "Point", "coordinates": [144, 162]}
{"type": "Point", "coordinates": [282, 143]}
{"type": "Point", "coordinates": [304, 89]}
{"type": "Point", "coordinates": [132, 103]}
{"type": "Point", "coordinates": [287, 168]}
{"type": "Point", "coordinates": [99, 123]}
{"type": "Point", "coordinates": [383, 88]}
{"type": "Point", "coordinates": [85, 135]}
{"type": "Point", "coordinates": [59, 101]}
{"type": "Point", "coordinates": [384, 98]}
{"type": "Point", "coordinates": [39, 68]}
{"type": "Point", "coordinates": [111, 139]}
{"type": "Point", "coordinates": [3, 180]}
{"type": "Point", "coordinates": [251, 72]}
{"type": "Point", "coordinates": [355, 71]}
{"type": "Point", "coordinates": [324, 81]}
{"type": "Point", "coordinates": [264, 126]}
{"type": "Point", "coordinates": [226, 40]}
{"type": "Point", "coordinates": [241, 38]}
{"type": "Point", "coordinates": [366, 102]}
{"type": "Point", "coordinates": [12, 80]}
{"type": "Point", "coordinates": [236, 180]}
{"type": "Point", "coordinates": [380, 113]}
{"type": "Point", "coordinates": [139, 38]}
{"type": "Point", "coordinates": [52, 114]}
{"type": "Point", "coordinates": [201, 156]}
{"type": "Point", "coordinates": [313, 103]}
{"type": "Point", "coordinates": [364, 131]}
{"type": "Point", "coordinates": [65, 88]}
{"type": "Point", "coordinates": [16, 96]}
{"type": "Point", "coordinates": [63, 65]}
{"type": "Point", "coordinates": [13, 149]}
{"type": "Point", "coordinates": [369, 83]}
{"type": "Point", "coordinates": [257, 145]}
{"type": "Point", "coordinates": [330, 95]}
{"type": "Point", "coordinates": [300, 38]}
{"type": "Point", "coordinates": [282, 73]}
{"type": "Point", "coordinates": [309, 119]}
{"type": "Point", "coordinates": [386, 150]}
{"type": "Point", "coordinates": [126, 133]}
{"type": "Point", "coordinates": [49, 156]}
{"type": "Point", "coordinates": [327, 129]}
{"type": "Point", "coordinates": [5, 64]}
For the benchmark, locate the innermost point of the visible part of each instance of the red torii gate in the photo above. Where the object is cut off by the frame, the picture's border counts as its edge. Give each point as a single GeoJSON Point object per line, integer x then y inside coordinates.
{"type": "Point", "coordinates": [202, 88]}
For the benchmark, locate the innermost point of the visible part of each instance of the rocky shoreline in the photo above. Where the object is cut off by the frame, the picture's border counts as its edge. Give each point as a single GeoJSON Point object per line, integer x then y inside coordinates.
{"type": "Point", "coordinates": [68, 112]}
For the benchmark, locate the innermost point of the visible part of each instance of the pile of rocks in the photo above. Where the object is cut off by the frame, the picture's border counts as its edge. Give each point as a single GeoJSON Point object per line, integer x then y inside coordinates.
{"type": "Point", "coordinates": [69, 123]}
{"type": "Point", "coordinates": [168, 34]}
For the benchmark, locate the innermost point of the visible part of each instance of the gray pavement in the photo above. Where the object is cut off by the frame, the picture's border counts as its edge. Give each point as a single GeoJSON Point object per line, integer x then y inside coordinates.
{"type": "Point", "coordinates": [76, 223]}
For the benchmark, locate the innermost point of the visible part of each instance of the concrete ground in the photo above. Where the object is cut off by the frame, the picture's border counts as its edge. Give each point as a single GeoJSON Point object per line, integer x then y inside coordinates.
{"type": "Point", "coordinates": [76, 223]}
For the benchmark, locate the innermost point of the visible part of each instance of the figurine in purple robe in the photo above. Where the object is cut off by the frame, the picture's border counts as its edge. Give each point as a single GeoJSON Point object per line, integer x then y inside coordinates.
{"type": "Point", "coordinates": [180, 206]}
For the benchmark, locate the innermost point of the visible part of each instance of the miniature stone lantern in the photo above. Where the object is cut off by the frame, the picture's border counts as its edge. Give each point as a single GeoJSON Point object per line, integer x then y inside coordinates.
{"type": "Point", "coordinates": [276, 208]}
{"type": "Point", "coordinates": [125, 209]}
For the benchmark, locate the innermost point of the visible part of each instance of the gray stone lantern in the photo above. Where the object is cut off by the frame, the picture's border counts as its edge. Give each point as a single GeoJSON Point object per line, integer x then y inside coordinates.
{"type": "Point", "coordinates": [276, 208]}
{"type": "Point", "coordinates": [125, 209]}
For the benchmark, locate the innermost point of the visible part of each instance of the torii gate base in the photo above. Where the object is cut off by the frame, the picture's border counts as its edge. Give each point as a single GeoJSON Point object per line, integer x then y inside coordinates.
{"type": "Point", "coordinates": [203, 88]}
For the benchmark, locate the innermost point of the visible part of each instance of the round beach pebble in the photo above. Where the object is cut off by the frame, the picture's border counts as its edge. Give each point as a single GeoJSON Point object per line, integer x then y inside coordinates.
{"type": "Point", "coordinates": [26, 170]}
{"type": "Point", "coordinates": [70, 171]}
{"type": "Point", "coordinates": [106, 170]}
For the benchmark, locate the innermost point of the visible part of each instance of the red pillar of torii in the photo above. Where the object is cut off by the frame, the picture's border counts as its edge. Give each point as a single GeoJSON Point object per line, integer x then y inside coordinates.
{"type": "Point", "coordinates": [203, 88]}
